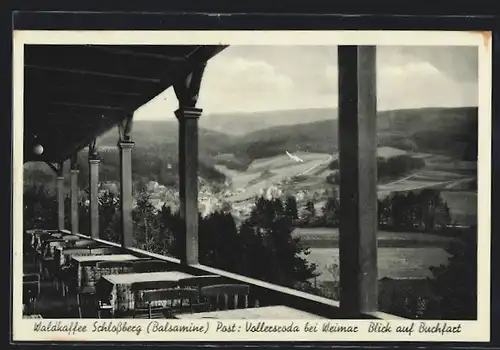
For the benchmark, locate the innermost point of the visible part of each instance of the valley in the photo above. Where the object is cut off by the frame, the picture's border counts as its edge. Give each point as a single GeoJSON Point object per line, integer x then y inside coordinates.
{"type": "Point", "coordinates": [235, 167]}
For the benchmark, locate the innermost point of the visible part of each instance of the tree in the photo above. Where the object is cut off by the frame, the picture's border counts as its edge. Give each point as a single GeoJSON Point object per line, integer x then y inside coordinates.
{"type": "Point", "coordinates": [329, 288]}
{"type": "Point", "coordinates": [425, 211]}
{"type": "Point", "coordinates": [455, 284]}
{"type": "Point", "coordinates": [40, 208]}
{"type": "Point", "coordinates": [385, 212]}
{"type": "Point", "coordinates": [331, 211]}
{"type": "Point", "coordinates": [109, 217]}
{"type": "Point", "coordinates": [310, 211]}
{"type": "Point", "coordinates": [147, 224]}
{"type": "Point", "coordinates": [435, 211]}
{"type": "Point", "coordinates": [281, 259]}
{"type": "Point", "coordinates": [171, 232]}
{"type": "Point", "coordinates": [220, 245]}
{"type": "Point", "coordinates": [291, 207]}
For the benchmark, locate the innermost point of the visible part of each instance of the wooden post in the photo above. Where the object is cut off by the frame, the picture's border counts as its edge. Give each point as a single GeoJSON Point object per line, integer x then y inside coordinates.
{"type": "Point", "coordinates": [126, 199]}
{"type": "Point", "coordinates": [60, 198]}
{"type": "Point", "coordinates": [188, 180]}
{"type": "Point", "coordinates": [358, 179]}
{"type": "Point", "coordinates": [186, 90]}
{"type": "Point", "coordinates": [74, 195]}
{"type": "Point", "coordinates": [94, 190]}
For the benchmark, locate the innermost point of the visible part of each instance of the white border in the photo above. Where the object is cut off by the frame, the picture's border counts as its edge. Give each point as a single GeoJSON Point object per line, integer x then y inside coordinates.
{"type": "Point", "coordinates": [472, 330]}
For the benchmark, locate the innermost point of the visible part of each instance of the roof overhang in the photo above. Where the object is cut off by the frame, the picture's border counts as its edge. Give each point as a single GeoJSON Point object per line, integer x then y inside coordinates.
{"type": "Point", "coordinates": [74, 93]}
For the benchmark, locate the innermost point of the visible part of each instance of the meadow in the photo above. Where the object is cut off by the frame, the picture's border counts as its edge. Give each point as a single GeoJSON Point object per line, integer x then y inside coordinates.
{"type": "Point", "coordinates": [392, 262]}
{"type": "Point", "coordinates": [326, 237]}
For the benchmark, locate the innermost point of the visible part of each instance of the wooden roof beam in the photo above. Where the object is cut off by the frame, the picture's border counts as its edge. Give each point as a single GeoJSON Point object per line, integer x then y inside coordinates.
{"type": "Point", "coordinates": [91, 59]}
{"type": "Point", "coordinates": [57, 89]}
{"type": "Point", "coordinates": [60, 107]}
{"type": "Point", "coordinates": [128, 102]}
{"type": "Point", "coordinates": [90, 72]}
{"type": "Point", "coordinates": [37, 79]}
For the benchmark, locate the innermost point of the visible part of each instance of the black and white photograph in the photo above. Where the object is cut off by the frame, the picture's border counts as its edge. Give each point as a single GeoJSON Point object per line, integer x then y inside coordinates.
{"type": "Point", "coordinates": [212, 180]}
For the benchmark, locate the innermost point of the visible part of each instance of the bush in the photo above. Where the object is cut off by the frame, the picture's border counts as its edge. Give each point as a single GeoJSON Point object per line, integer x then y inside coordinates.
{"type": "Point", "coordinates": [455, 284]}
{"type": "Point", "coordinates": [40, 208]}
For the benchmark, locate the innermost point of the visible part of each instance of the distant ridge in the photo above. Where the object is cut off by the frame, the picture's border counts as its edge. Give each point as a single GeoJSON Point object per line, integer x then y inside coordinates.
{"type": "Point", "coordinates": [241, 123]}
{"type": "Point", "coordinates": [447, 131]}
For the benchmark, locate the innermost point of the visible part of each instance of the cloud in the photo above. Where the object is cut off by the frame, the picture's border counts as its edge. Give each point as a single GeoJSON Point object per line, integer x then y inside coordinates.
{"type": "Point", "coordinates": [460, 63]}
{"type": "Point", "coordinates": [253, 78]}
{"type": "Point", "coordinates": [421, 84]}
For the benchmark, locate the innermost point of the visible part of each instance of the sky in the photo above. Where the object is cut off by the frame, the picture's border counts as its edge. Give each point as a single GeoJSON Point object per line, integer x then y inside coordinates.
{"type": "Point", "coordinates": [264, 78]}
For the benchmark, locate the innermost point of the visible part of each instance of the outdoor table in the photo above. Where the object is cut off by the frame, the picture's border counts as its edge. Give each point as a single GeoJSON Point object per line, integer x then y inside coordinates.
{"type": "Point", "coordinates": [64, 254]}
{"type": "Point", "coordinates": [84, 264]}
{"type": "Point", "coordinates": [32, 234]}
{"type": "Point", "coordinates": [118, 288]}
{"type": "Point", "coordinates": [38, 237]}
{"type": "Point", "coordinates": [66, 242]}
{"type": "Point", "coordinates": [277, 312]}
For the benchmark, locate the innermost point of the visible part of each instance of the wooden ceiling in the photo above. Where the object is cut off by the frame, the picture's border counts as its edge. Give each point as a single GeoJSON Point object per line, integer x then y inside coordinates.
{"type": "Point", "coordinates": [74, 93]}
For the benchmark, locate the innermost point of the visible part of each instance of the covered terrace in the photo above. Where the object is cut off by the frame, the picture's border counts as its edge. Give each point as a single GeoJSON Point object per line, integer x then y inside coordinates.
{"type": "Point", "coordinates": [74, 93]}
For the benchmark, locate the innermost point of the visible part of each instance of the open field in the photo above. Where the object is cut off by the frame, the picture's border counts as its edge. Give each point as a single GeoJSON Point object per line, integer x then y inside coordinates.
{"type": "Point", "coordinates": [284, 161]}
{"type": "Point", "coordinates": [392, 262]}
{"type": "Point", "coordinates": [329, 238]}
{"type": "Point", "coordinates": [457, 179]}
{"type": "Point", "coordinates": [265, 172]}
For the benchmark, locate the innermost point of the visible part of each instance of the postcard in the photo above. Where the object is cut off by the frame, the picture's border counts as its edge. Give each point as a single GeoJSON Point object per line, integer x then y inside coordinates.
{"type": "Point", "coordinates": [251, 186]}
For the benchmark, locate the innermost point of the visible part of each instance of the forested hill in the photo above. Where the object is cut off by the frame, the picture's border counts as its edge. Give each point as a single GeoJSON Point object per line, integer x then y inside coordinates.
{"type": "Point", "coordinates": [448, 131]}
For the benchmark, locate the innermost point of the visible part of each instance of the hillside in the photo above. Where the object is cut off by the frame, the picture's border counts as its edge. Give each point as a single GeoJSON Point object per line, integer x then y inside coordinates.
{"type": "Point", "coordinates": [441, 131]}
{"type": "Point", "coordinates": [445, 131]}
{"type": "Point", "coordinates": [155, 155]}
{"type": "Point", "coordinates": [151, 134]}
{"type": "Point", "coordinates": [239, 123]}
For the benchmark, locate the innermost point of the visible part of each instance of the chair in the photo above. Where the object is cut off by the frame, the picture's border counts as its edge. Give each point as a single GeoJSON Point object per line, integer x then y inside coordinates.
{"type": "Point", "coordinates": [29, 252]}
{"type": "Point", "coordinates": [68, 275]}
{"type": "Point", "coordinates": [86, 296]}
{"type": "Point", "coordinates": [104, 268]}
{"type": "Point", "coordinates": [200, 281]}
{"type": "Point", "coordinates": [51, 262]}
{"type": "Point", "coordinates": [31, 290]}
{"type": "Point", "coordinates": [29, 268]}
{"type": "Point", "coordinates": [164, 303]}
{"type": "Point", "coordinates": [144, 266]}
{"type": "Point", "coordinates": [100, 250]}
{"type": "Point", "coordinates": [31, 277]}
{"type": "Point", "coordinates": [226, 291]}
{"type": "Point", "coordinates": [86, 299]}
{"type": "Point", "coordinates": [138, 287]}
